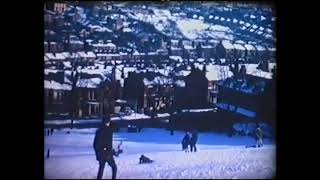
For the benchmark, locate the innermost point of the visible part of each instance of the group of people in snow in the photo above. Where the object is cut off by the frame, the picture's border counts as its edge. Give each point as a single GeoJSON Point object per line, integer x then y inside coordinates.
{"type": "Point", "coordinates": [104, 151]}
{"type": "Point", "coordinates": [190, 139]}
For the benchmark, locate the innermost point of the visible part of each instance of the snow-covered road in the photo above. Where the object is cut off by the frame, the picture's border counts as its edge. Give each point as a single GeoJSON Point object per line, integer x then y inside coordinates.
{"type": "Point", "coordinates": [218, 156]}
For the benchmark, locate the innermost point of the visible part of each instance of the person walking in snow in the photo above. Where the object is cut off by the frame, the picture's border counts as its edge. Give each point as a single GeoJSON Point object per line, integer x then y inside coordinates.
{"type": "Point", "coordinates": [259, 136]}
{"type": "Point", "coordinates": [103, 147]}
{"type": "Point", "coordinates": [193, 141]}
{"type": "Point", "coordinates": [185, 142]}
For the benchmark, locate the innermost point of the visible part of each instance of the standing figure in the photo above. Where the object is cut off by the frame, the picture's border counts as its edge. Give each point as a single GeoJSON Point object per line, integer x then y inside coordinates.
{"type": "Point", "coordinates": [185, 142]}
{"type": "Point", "coordinates": [103, 147]}
{"type": "Point", "coordinates": [193, 141]}
{"type": "Point", "coordinates": [259, 136]}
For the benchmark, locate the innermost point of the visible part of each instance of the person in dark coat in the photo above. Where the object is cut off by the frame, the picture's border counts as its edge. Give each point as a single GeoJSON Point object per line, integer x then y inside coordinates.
{"type": "Point", "coordinates": [103, 147]}
{"type": "Point", "coordinates": [185, 142]}
{"type": "Point", "coordinates": [143, 159]}
{"type": "Point", "coordinates": [259, 136]}
{"type": "Point", "coordinates": [193, 141]}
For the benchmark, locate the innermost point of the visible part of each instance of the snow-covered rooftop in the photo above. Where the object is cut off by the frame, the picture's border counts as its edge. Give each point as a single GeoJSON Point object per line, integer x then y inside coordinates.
{"type": "Point", "coordinates": [249, 47]}
{"type": "Point", "coordinates": [56, 86]}
{"type": "Point", "coordinates": [103, 29]}
{"type": "Point", "coordinates": [259, 32]}
{"type": "Point", "coordinates": [271, 49]}
{"type": "Point", "coordinates": [76, 42]}
{"type": "Point", "coordinates": [227, 44]}
{"type": "Point", "coordinates": [200, 59]}
{"type": "Point", "coordinates": [127, 30]}
{"type": "Point", "coordinates": [214, 41]}
{"type": "Point", "coordinates": [180, 83]}
{"type": "Point", "coordinates": [89, 54]}
{"type": "Point", "coordinates": [69, 55]}
{"type": "Point", "coordinates": [268, 36]}
{"type": "Point", "coordinates": [260, 48]}
{"type": "Point", "coordinates": [99, 45]}
{"type": "Point", "coordinates": [47, 71]}
{"type": "Point", "coordinates": [220, 28]}
{"type": "Point", "coordinates": [67, 64]}
{"type": "Point", "coordinates": [175, 48]}
{"type": "Point", "coordinates": [269, 30]}
{"type": "Point", "coordinates": [252, 70]}
{"type": "Point", "coordinates": [239, 47]}
{"type": "Point", "coordinates": [89, 83]}
{"type": "Point", "coordinates": [184, 72]}
{"type": "Point", "coordinates": [110, 45]}
{"type": "Point", "coordinates": [135, 53]}
{"type": "Point", "coordinates": [152, 53]}
{"type": "Point", "coordinates": [123, 53]}
{"type": "Point", "coordinates": [217, 72]}
{"type": "Point", "coordinates": [188, 47]}
{"type": "Point", "coordinates": [176, 58]}
{"type": "Point", "coordinates": [57, 56]}
{"type": "Point", "coordinates": [207, 46]}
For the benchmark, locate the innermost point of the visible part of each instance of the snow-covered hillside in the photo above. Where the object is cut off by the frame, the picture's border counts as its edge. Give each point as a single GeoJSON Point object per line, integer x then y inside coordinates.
{"type": "Point", "coordinates": [218, 156]}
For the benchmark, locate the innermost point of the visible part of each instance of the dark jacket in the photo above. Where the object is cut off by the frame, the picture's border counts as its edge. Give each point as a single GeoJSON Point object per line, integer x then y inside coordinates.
{"type": "Point", "coordinates": [143, 159]}
{"type": "Point", "coordinates": [185, 141]}
{"type": "Point", "coordinates": [102, 143]}
{"type": "Point", "coordinates": [194, 137]}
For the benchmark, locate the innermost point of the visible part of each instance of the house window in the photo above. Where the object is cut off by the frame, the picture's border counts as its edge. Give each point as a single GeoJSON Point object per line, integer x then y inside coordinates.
{"type": "Point", "coordinates": [91, 109]}
{"type": "Point", "coordinates": [97, 109]}
{"type": "Point", "coordinates": [55, 95]}
{"type": "Point", "coordinates": [60, 96]}
{"type": "Point", "coordinates": [94, 96]}
{"type": "Point", "coordinates": [90, 95]}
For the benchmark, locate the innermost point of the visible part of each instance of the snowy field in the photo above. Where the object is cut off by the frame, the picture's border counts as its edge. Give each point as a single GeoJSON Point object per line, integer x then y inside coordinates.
{"type": "Point", "coordinates": [72, 156]}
